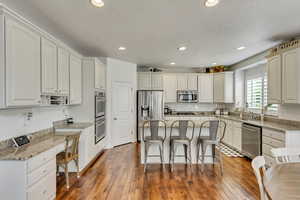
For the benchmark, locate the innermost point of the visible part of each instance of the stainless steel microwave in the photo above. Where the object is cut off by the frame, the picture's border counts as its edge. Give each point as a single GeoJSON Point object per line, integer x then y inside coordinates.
{"type": "Point", "coordinates": [187, 96]}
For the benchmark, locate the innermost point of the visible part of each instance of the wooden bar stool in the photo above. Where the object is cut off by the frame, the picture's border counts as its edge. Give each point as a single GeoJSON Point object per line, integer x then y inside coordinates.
{"type": "Point", "coordinates": [70, 154]}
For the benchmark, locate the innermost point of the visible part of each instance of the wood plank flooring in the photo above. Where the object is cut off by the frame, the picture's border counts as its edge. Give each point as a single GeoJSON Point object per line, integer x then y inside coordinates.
{"type": "Point", "coordinates": [118, 175]}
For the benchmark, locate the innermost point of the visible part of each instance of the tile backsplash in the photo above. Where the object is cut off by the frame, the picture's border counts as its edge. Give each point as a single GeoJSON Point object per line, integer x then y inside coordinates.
{"type": "Point", "coordinates": [191, 107]}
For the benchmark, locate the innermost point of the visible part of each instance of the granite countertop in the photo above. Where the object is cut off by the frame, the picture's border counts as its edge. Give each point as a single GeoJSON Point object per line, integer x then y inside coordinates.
{"type": "Point", "coordinates": [283, 127]}
{"type": "Point", "coordinates": [35, 147]}
{"type": "Point", "coordinates": [75, 125]}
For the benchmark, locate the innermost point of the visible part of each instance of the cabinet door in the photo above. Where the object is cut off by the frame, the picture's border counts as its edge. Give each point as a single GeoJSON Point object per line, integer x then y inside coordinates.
{"type": "Point", "coordinates": [22, 65]}
{"type": "Point", "coordinates": [219, 88]}
{"type": "Point", "coordinates": [49, 67]}
{"type": "Point", "coordinates": [156, 81]}
{"type": "Point", "coordinates": [192, 82]}
{"type": "Point", "coordinates": [144, 81]}
{"type": "Point", "coordinates": [97, 75]}
{"type": "Point", "coordinates": [290, 65]}
{"type": "Point", "coordinates": [63, 71]}
{"type": "Point", "coordinates": [206, 88]}
{"type": "Point", "coordinates": [170, 87]}
{"type": "Point", "coordinates": [75, 80]}
{"type": "Point", "coordinates": [237, 138]}
{"type": "Point", "coordinates": [182, 83]}
{"type": "Point", "coordinates": [274, 80]}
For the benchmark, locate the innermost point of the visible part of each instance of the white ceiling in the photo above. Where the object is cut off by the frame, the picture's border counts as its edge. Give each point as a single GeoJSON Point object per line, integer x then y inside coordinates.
{"type": "Point", "coordinates": [152, 30]}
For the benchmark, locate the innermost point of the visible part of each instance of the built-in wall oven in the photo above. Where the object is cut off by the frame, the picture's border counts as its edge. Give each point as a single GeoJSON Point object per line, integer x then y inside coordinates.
{"type": "Point", "coordinates": [251, 140]}
{"type": "Point", "coordinates": [187, 96]}
{"type": "Point", "coordinates": [100, 104]}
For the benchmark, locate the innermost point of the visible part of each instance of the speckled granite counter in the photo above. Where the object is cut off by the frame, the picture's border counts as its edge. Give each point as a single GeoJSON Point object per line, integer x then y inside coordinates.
{"type": "Point", "coordinates": [76, 125]}
{"type": "Point", "coordinates": [35, 147]}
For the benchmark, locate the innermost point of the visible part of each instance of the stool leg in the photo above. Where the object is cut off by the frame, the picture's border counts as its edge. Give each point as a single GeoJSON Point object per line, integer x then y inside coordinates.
{"type": "Point", "coordinates": [203, 146]}
{"type": "Point", "coordinates": [146, 155]}
{"type": "Point", "coordinates": [198, 151]}
{"type": "Point", "coordinates": [220, 161]}
{"type": "Point", "coordinates": [67, 175]}
{"type": "Point", "coordinates": [170, 152]}
{"type": "Point", "coordinates": [185, 152]}
{"type": "Point", "coordinates": [190, 154]}
{"type": "Point", "coordinates": [160, 152]}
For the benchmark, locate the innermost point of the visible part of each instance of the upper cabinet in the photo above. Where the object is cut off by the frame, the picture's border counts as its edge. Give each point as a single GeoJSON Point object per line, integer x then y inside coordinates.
{"type": "Point", "coordinates": [100, 75]}
{"type": "Point", "coordinates": [144, 80]}
{"type": "Point", "coordinates": [223, 87]}
{"type": "Point", "coordinates": [22, 65]}
{"type": "Point", "coordinates": [63, 71]}
{"type": "Point", "coordinates": [187, 82]}
{"type": "Point", "coordinates": [49, 67]}
{"type": "Point", "coordinates": [170, 88]}
{"type": "Point", "coordinates": [75, 80]}
{"type": "Point", "coordinates": [290, 76]}
{"type": "Point", "coordinates": [205, 88]}
{"type": "Point", "coordinates": [157, 81]}
{"type": "Point", "coordinates": [274, 80]}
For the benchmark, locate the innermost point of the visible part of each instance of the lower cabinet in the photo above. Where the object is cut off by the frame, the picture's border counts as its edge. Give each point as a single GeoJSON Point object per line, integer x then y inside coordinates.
{"type": "Point", "coordinates": [233, 134]}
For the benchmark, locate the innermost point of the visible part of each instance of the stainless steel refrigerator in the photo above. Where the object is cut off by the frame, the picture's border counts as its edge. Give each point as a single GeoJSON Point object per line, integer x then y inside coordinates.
{"type": "Point", "coordinates": [150, 106]}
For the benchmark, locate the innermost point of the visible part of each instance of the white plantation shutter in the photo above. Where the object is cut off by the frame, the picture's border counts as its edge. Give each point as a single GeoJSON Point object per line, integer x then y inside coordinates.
{"type": "Point", "coordinates": [273, 108]}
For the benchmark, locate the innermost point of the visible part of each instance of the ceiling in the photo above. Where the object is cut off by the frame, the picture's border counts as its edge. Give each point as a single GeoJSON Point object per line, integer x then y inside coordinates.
{"type": "Point", "coordinates": [153, 30]}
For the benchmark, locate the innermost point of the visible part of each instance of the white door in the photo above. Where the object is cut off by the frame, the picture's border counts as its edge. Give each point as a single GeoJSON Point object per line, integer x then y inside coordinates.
{"type": "Point", "coordinates": [63, 71]}
{"type": "Point", "coordinates": [75, 80]}
{"type": "Point", "coordinates": [290, 65]}
{"type": "Point", "coordinates": [122, 105]}
{"type": "Point", "coordinates": [22, 65]}
{"type": "Point", "coordinates": [274, 80]}
{"type": "Point", "coordinates": [170, 86]}
{"type": "Point", "coordinates": [49, 67]}
{"type": "Point", "coordinates": [206, 88]}
{"type": "Point", "coordinates": [192, 82]}
{"type": "Point", "coordinates": [182, 82]}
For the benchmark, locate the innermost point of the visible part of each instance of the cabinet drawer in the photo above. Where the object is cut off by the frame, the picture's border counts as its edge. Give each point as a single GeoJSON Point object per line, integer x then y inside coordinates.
{"type": "Point", "coordinates": [274, 134]}
{"type": "Point", "coordinates": [40, 159]}
{"type": "Point", "coordinates": [41, 172]}
{"type": "Point", "coordinates": [270, 161]}
{"type": "Point", "coordinates": [266, 149]}
{"type": "Point", "coordinates": [273, 142]}
{"type": "Point", "coordinates": [44, 189]}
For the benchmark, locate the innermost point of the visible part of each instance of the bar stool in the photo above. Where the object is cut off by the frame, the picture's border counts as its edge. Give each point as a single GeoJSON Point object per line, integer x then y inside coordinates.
{"type": "Point", "coordinates": [181, 139]}
{"type": "Point", "coordinates": [216, 130]}
{"type": "Point", "coordinates": [70, 154]}
{"type": "Point", "coordinates": [154, 139]}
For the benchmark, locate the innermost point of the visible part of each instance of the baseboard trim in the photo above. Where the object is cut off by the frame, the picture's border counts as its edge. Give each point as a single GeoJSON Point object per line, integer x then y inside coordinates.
{"type": "Point", "coordinates": [92, 162]}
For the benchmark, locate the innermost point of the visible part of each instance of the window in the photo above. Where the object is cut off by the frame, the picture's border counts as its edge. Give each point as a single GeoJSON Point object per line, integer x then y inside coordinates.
{"type": "Point", "coordinates": [257, 91]}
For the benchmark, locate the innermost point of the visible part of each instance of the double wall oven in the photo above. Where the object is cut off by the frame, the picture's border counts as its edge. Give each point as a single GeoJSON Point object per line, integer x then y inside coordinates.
{"type": "Point", "coordinates": [100, 102]}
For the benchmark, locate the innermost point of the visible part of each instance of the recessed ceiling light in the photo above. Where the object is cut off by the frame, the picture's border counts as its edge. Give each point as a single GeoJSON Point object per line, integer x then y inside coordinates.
{"type": "Point", "coordinates": [241, 48]}
{"type": "Point", "coordinates": [211, 3]}
{"type": "Point", "coordinates": [97, 3]}
{"type": "Point", "coordinates": [122, 48]}
{"type": "Point", "coordinates": [214, 63]}
{"type": "Point", "coordinates": [172, 63]}
{"type": "Point", "coordinates": [183, 48]}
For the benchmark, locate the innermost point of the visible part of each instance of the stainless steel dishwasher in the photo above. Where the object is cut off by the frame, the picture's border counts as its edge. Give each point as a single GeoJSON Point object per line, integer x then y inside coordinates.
{"type": "Point", "coordinates": [251, 140]}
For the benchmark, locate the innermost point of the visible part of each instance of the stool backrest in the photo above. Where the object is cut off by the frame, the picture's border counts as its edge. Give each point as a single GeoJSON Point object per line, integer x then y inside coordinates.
{"type": "Point", "coordinates": [216, 129]}
{"type": "Point", "coordinates": [154, 126]}
{"type": "Point", "coordinates": [286, 155]}
{"type": "Point", "coordinates": [183, 126]}
{"type": "Point", "coordinates": [258, 165]}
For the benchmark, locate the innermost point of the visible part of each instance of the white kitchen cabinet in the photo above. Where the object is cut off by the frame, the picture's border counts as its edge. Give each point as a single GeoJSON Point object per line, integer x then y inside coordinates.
{"type": "Point", "coordinates": [237, 135]}
{"type": "Point", "coordinates": [274, 79]}
{"type": "Point", "coordinates": [170, 87]}
{"type": "Point", "coordinates": [144, 80]}
{"type": "Point", "coordinates": [156, 81]}
{"type": "Point", "coordinates": [205, 88]}
{"type": "Point", "coordinates": [223, 87]}
{"type": "Point", "coordinates": [182, 81]}
{"type": "Point", "coordinates": [63, 71]}
{"type": "Point", "coordinates": [49, 67]}
{"type": "Point", "coordinates": [228, 137]}
{"type": "Point", "coordinates": [290, 76]}
{"type": "Point", "coordinates": [192, 81]}
{"type": "Point", "coordinates": [75, 80]}
{"type": "Point", "coordinates": [100, 75]}
{"type": "Point", "coordinates": [22, 65]}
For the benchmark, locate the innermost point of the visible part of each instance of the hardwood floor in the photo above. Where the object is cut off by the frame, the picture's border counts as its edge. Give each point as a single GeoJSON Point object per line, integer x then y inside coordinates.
{"type": "Point", "coordinates": [118, 175]}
